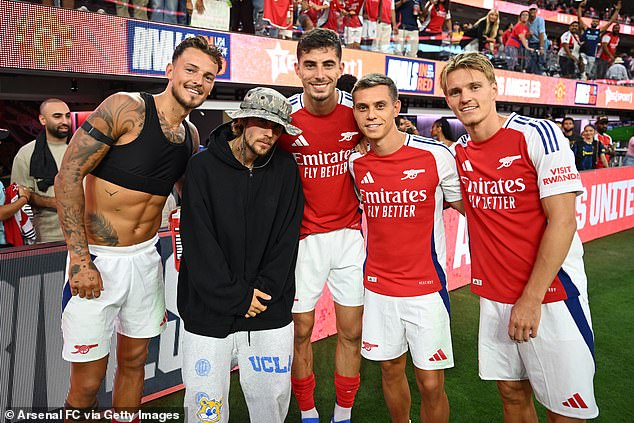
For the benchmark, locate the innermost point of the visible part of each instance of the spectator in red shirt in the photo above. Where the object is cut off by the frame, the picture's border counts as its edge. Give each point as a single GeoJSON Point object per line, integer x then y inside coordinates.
{"type": "Point", "coordinates": [434, 15]}
{"type": "Point", "coordinates": [516, 41]}
{"type": "Point", "coordinates": [607, 51]}
{"type": "Point", "coordinates": [507, 33]}
{"type": "Point", "coordinates": [569, 52]}
{"type": "Point", "coordinates": [352, 26]}
{"type": "Point", "coordinates": [601, 126]}
{"type": "Point", "coordinates": [332, 15]}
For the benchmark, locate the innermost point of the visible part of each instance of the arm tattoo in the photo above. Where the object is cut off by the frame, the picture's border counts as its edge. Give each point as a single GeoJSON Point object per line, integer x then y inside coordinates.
{"type": "Point", "coordinates": [121, 116]}
{"type": "Point", "coordinates": [102, 230]}
{"type": "Point", "coordinates": [116, 116]}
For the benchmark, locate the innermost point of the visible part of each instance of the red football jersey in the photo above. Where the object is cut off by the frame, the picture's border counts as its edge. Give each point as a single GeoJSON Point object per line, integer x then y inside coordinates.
{"type": "Point", "coordinates": [612, 42]}
{"type": "Point", "coordinates": [437, 17]}
{"type": "Point", "coordinates": [402, 196]}
{"type": "Point", "coordinates": [606, 140]}
{"type": "Point", "coordinates": [353, 6]}
{"type": "Point", "coordinates": [503, 180]}
{"type": "Point", "coordinates": [322, 152]}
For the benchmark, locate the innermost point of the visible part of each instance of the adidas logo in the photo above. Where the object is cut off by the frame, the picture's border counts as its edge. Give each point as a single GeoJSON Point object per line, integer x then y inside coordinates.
{"type": "Point", "coordinates": [367, 179]}
{"type": "Point", "coordinates": [466, 166]}
{"type": "Point", "coordinates": [439, 356]}
{"type": "Point", "coordinates": [300, 142]}
{"type": "Point", "coordinates": [575, 402]}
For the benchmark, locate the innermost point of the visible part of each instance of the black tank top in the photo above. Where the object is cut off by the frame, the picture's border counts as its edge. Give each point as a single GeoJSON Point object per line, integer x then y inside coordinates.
{"type": "Point", "coordinates": [150, 163]}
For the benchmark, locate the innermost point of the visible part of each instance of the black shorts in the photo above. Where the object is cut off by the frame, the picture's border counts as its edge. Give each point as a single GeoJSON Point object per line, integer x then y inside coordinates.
{"type": "Point", "coordinates": [566, 65]}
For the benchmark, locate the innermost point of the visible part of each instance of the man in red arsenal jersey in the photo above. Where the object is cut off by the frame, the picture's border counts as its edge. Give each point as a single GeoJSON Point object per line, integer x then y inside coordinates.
{"type": "Point", "coordinates": [352, 26]}
{"type": "Point", "coordinates": [331, 246]}
{"type": "Point", "coordinates": [519, 185]}
{"type": "Point", "coordinates": [605, 139]}
{"type": "Point", "coordinates": [403, 183]}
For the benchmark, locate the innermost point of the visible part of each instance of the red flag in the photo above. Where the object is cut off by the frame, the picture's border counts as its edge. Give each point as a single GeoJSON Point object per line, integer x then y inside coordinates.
{"type": "Point", "coordinates": [279, 13]}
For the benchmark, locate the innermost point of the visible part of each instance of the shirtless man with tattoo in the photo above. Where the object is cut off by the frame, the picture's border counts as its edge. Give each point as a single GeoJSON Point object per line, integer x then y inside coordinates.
{"type": "Point", "coordinates": [131, 151]}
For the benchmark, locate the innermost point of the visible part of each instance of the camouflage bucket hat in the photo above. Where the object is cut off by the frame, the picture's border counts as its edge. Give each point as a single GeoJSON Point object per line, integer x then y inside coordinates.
{"type": "Point", "coordinates": [268, 104]}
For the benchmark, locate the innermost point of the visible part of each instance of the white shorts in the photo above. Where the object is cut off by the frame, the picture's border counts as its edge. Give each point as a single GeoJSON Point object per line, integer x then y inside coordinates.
{"type": "Point", "coordinates": [381, 42]}
{"type": "Point", "coordinates": [391, 324]}
{"type": "Point", "coordinates": [559, 362]}
{"type": "Point", "coordinates": [133, 298]}
{"type": "Point", "coordinates": [264, 357]}
{"type": "Point", "coordinates": [407, 39]}
{"type": "Point", "coordinates": [368, 30]}
{"type": "Point", "coordinates": [335, 258]}
{"type": "Point", "coordinates": [351, 35]}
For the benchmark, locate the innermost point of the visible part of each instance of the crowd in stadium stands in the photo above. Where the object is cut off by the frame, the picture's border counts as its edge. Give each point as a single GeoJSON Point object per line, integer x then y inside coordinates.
{"type": "Point", "coordinates": [570, 7]}
{"type": "Point", "coordinates": [424, 28]}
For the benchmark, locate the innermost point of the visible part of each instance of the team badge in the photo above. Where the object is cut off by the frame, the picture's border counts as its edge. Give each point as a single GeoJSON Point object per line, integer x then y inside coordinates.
{"type": "Point", "coordinates": [368, 346]}
{"type": "Point", "coordinates": [412, 173]}
{"type": "Point", "coordinates": [209, 411]}
{"type": "Point", "coordinates": [347, 136]}
{"type": "Point", "coordinates": [83, 349]}
{"type": "Point", "coordinates": [203, 367]}
{"type": "Point", "coordinates": [507, 161]}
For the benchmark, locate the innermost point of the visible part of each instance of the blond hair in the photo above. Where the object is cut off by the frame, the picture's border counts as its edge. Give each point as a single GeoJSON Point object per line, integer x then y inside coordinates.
{"type": "Point", "coordinates": [470, 60]}
{"type": "Point", "coordinates": [490, 31]}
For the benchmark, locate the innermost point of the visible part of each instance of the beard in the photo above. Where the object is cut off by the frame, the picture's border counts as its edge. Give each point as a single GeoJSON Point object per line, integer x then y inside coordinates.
{"type": "Point", "coordinates": [59, 132]}
{"type": "Point", "coordinates": [318, 97]}
{"type": "Point", "coordinates": [259, 152]}
{"type": "Point", "coordinates": [186, 103]}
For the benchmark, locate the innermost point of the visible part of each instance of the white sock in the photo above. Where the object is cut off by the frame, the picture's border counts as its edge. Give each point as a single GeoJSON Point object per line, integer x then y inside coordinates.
{"type": "Point", "coordinates": [312, 413]}
{"type": "Point", "coordinates": [341, 413]}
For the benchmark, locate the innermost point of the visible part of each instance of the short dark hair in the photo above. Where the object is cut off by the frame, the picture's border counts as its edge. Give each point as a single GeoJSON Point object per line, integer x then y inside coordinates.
{"type": "Point", "coordinates": [374, 80]}
{"type": "Point", "coordinates": [445, 127]}
{"type": "Point", "coordinates": [319, 38]}
{"type": "Point", "coordinates": [601, 118]}
{"type": "Point", "coordinates": [200, 43]}
{"type": "Point", "coordinates": [48, 101]}
{"type": "Point", "coordinates": [346, 82]}
{"type": "Point", "coordinates": [567, 118]}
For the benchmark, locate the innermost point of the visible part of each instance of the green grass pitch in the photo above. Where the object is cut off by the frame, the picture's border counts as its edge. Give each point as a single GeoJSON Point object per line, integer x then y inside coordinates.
{"type": "Point", "coordinates": [610, 267]}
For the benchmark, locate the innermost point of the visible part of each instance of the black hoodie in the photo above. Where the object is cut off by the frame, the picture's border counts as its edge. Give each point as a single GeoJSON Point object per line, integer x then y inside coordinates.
{"type": "Point", "coordinates": [240, 231]}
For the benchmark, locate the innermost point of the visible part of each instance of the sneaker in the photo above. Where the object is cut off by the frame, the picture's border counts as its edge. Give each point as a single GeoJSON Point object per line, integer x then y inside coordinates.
{"type": "Point", "coordinates": [83, 9]}
{"type": "Point", "coordinates": [101, 11]}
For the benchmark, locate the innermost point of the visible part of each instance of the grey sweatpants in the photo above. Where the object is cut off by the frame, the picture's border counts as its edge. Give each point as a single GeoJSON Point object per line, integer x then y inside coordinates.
{"type": "Point", "coordinates": [264, 358]}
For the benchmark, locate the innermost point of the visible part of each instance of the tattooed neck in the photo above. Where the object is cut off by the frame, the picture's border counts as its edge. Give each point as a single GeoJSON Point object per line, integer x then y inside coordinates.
{"type": "Point", "coordinates": [173, 134]}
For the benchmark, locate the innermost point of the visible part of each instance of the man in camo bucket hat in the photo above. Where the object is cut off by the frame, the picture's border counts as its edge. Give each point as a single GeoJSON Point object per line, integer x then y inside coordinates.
{"type": "Point", "coordinates": [268, 104]}
{"type": "Point", "coordinates": [240, 219]}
